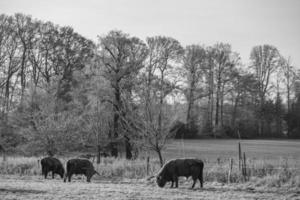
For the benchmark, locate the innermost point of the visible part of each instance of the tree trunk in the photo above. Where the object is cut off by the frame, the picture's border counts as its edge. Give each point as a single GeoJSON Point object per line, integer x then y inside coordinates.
{"type": "Point", "coordinates": [222, 106]}
{"type": "Point", "coordinates": [211, 99]}
{"type": "Point", "coordinates": [22, 74]}
{"type": "Point", "coordinates": [190, 114]}
{"type": "Point", "coordinates": [6, 100]}
{"type": "Point", "coordinates": [260, 118]}
{"type": "Point", "coordinates": [218, 98]}
{"type": "Point", "coordinates": [98, 154]}
{"type": "Point", "coordinates": [233, 119]}
{"type": "Point", "coordinates": [161, 98]}
{"type": "Point", "coordinates": [161, 161]}
{"type": "Point", "coordinates": [288, 101]}
{"type": "Point", "coordinates": [217, 109]}
{"type": "Point", "coordinates": [114, 149]}
{"type": "Point", "coordinates": [116, 110]}
{"type": "Point", "coordinates": [189, 117]}
{"type": "Point", "coordinates": [128, 148]}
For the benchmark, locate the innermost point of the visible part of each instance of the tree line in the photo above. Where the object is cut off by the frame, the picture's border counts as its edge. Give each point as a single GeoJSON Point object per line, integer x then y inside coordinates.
{"type": "Point", "coordinates": [61, 91]}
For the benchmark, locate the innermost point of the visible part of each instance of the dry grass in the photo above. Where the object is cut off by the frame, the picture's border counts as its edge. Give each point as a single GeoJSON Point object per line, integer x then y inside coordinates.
{"type": "Point", "coordinates": [35, 187]}
{"type": "Point", "coordinates": [260, 173]}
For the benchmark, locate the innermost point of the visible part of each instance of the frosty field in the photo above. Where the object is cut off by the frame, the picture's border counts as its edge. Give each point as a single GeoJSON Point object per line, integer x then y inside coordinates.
{"type": "Point", "coordinates": [15, 187]}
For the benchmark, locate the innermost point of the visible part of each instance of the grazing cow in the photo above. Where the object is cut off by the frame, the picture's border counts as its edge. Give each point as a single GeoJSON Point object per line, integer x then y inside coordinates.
{"type": "Point", "coordinates": [52, 164]}
{"type": "Point", "coordinates": [180, 167]}
{"type": "Point", "coordinates": [80, 166]}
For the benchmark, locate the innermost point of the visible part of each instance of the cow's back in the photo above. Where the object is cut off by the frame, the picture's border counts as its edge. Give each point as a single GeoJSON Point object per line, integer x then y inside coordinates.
{"type": "Point", "coordinates": [182, 166]}
{"type": "Point", "coordinates": [47, 162]}
{"type": "Point", "coordinates": [79, 166]}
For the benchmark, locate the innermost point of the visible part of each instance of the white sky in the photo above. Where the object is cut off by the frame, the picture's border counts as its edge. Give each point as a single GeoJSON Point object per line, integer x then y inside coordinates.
{"type": "Point", "coordinates": [242, 23]}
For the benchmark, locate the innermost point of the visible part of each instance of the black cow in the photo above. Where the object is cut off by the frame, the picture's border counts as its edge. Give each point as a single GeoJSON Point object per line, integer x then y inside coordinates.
{"type": "Point", "coordinates": [52, 164]}
{"type": "Point", "coordinates": [80, 166]}
{"type": "Point", "coordinates": [180, 167]}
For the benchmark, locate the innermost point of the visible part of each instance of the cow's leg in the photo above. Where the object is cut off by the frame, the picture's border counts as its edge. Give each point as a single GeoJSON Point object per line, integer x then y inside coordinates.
{"type": "Point", "coordinates": [69, 177]}
{"type": "Point", "coordinates": [46, 173]}
{"type": "Point", "coordinates": [175, 179]}
{"type": "Point", "coordinates": [201, 179]}
{"type": "Point", "coordinates": [194, 182]}
{"type": "Point", "coordinates": [43, 171]}
{"type": "Point", "coordinates": [52, 174]}
{"type": "Point", "coordinates": [88, 179]}
{"type": "Point", "coordinates": [195, 177]}
{"type": "Point", "coordinates": [88, 176]}
{"type": "Point", "coordinates": [172, 183]}
{"type": "Point", "coordinates": [65, 177]}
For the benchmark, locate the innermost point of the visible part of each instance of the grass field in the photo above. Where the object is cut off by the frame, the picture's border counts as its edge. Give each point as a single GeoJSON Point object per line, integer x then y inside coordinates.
{"type": "Point", "coordinates": [273, 174]}
{"type": "Point", "coordinates": [269, 150]}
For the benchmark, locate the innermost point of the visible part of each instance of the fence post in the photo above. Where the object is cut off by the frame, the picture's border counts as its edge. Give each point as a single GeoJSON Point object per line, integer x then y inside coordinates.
{"type": "Point", "coordinates": [230, 169]}
{"type": "Point", "coordinates": [148, 165]}
{"type": "Point", "coordinates": [245, 167]}
{"type": "Point", "coordinates": [240, 155]}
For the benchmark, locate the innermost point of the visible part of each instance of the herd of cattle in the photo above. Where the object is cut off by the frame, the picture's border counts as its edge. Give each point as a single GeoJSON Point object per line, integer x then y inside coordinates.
{"type": "Point", "coordinates": [168, 173]}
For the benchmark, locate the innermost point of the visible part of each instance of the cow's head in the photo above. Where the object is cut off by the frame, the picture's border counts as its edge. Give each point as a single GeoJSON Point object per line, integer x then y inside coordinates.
{"type": "Point", "coordinates": [161, 182]}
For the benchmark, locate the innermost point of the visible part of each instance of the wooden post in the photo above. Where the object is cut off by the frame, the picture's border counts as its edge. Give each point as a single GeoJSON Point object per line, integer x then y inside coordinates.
{"type": "Point", "coordinates": [148, 165]}
{"type": "Point", "coordinates": [245, 167]}
{"type": "Point", "coordinates": [230, 169]}
{"type": "Point", "coordinates": [240, 155]}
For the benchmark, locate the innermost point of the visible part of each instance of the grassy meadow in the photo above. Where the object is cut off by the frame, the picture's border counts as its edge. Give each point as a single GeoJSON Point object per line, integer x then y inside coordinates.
{"type": "Point", "coordinates": [270, 164]}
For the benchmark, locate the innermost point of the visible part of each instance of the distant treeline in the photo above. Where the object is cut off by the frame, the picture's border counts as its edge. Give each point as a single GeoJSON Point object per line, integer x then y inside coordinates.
{"type": "Point", "coordinates": [60, 91]}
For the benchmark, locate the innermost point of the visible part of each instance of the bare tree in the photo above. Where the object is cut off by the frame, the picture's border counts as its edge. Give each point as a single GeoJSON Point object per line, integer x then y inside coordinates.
{"type": "Point", "coordinates": [74, 52]}
{"type": "Point", "coordinates": [289, 76]}
{"type": "Point", "coordinates": [25, 33]}
{"type": "Point", "coordinates": [164, 52]}
{"type": "Point", "coordinates": [265, 62]}
{"type": "Point", "coordinates": [96, 125]}
{"type": "Point", "coordinates": [122, 57]}
{"type": "Point", "coordinates": [194, 70]}
{"type": "Point", "coordinates": [9, 60]}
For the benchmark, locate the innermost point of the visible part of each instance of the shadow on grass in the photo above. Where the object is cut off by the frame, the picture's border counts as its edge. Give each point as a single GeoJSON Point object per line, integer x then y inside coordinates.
{"type": "Point", "coordinates": [21, 191]}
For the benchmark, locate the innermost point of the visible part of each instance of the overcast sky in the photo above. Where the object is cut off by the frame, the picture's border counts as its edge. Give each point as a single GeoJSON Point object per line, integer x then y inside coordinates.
{"type": "Point", "coordinates": [242, 23]}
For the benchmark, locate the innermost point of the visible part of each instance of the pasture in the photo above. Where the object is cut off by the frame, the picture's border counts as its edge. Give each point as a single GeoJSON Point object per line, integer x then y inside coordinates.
{"type": "Point", "coordinates": [273, 174]}
{"type": "Point", "coordinates": [209, 149]}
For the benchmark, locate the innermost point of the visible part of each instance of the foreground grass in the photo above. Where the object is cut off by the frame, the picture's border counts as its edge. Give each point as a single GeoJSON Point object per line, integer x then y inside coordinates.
{"type": "Point", "coordinates": [35, 187]}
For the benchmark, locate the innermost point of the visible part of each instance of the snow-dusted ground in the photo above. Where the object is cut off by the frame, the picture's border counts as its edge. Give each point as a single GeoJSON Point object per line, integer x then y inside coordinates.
{"type": "Point", "coordinates": [35, 187]}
